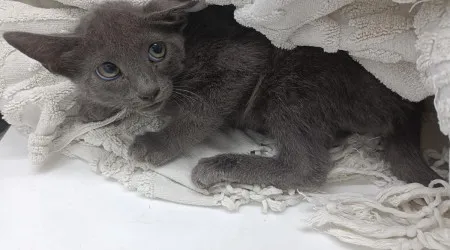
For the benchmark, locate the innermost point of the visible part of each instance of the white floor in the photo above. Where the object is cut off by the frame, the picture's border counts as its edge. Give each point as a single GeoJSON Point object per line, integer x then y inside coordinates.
{"type": "Point", "coordinates": [65, 206]}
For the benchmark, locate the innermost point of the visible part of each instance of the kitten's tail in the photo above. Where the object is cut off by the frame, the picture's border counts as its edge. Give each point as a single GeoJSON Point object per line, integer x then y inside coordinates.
{"type": "Point", "coordinates": [402, 151]}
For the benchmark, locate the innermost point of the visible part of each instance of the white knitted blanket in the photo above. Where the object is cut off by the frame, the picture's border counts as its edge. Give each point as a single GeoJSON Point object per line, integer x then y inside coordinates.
{"type": "Point", "coordinates": [405, 43]}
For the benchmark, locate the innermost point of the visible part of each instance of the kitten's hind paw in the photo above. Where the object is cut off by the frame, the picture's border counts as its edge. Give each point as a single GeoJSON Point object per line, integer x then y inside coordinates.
{"type": "Point", "coordinates": [422, 175]}
{"type": "Point", "coordinates": [211, 171]}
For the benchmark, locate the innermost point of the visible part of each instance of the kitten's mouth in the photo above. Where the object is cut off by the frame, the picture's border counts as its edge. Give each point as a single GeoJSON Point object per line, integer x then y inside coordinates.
{"type": "Point", "coordinates": [152, 107]}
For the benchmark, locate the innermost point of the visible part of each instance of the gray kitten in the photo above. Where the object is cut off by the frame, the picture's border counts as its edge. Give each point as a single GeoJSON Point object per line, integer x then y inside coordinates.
{"type": "Point", "coordinates": [208, 72]}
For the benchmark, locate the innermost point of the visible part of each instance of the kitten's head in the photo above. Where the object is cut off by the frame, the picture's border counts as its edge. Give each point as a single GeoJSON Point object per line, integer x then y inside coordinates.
{"type": "Point", "coordinates": [120, 56]}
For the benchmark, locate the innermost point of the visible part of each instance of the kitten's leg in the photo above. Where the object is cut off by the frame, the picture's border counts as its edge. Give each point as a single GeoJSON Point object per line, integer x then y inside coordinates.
{"type": "Point", "coordinates": [402, 151]}
{"type": "Point", "coordinates": [303, 162]}
{"type": "Point", "coordinates": [161, 147]}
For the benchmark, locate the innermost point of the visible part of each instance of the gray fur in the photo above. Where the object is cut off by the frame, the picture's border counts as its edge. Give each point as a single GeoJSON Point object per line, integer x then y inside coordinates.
{"type": "Point", "coordinates": [305, 98]}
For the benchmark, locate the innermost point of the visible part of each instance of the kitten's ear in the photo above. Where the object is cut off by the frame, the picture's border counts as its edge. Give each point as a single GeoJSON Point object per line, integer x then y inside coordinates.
{"type": "Point", "coordinates": [51, 51]}
{"type": "Point", "coordinates": [171, 13]}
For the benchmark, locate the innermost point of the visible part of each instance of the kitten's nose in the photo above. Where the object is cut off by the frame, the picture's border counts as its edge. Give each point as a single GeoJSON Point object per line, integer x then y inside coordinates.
{"type": "Point", "coordinates": [150, 95]}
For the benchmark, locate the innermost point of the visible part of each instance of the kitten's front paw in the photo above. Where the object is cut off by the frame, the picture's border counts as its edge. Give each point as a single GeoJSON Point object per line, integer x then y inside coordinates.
{"type": "Point", "coordinates": [94, 113]}
{"type": "Point", "coordinates": [87, 117]}
{"type": "Point", "coordinates": [212, 170]}
{"type": "Point", "coordinates": [150, 148]}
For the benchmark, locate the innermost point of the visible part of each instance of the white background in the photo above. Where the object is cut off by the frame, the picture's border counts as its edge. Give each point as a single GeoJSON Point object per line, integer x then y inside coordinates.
{"type": "Point", "coordinates": [65, 206]}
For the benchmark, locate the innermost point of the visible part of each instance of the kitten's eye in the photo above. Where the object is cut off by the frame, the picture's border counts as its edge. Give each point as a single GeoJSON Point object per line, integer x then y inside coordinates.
{"type": "Point", "coordinates": [157, 51]}
{"type": "Point", "coordinates": [108, 71]}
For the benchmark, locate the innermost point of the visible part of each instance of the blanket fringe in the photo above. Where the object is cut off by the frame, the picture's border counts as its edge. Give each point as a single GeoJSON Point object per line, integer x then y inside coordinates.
{"type": "Point", "coordinates": [411, 216]}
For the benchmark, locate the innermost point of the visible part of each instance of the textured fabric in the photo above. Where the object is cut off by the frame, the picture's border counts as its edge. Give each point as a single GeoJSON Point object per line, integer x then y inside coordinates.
{"type": "Point", "coordinates": [378, 34]}
{"type": "Point", "coordinates": [382, 35]}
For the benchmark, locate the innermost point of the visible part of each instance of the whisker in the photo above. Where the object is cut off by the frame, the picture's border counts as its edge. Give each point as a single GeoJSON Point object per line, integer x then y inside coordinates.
{"type": "Point", "coordinates": [182, 97]}
{"type": "Point", "coordinates": [176, 102]}
{"type": "Point", "coordinates": [186, 97]}
{"type": "Point", "coordinates": [189, 92]}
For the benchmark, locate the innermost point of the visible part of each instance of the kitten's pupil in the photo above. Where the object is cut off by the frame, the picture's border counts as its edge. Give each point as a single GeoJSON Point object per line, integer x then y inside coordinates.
{"type": "Point", "coordinates": [108, 71]}
{"type": "Point", "coordinates": [157, 48]}
{"type": "Point", "coordinates": [109, 68]}
{"type": "Point", "coordinates": [157, 51]}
